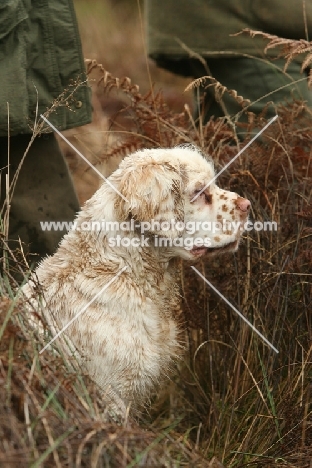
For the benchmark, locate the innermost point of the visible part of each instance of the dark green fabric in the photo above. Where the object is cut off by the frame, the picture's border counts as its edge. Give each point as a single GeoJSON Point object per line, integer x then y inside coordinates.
{"type": "Point", "coordinates": [205, 26]}
{"type": "Point", "coordinates": [40, 57]}
{"type": "Point", "coordinates": [44, 192]}
{"type": "Point", "coordinates": [195, 38]}
{"type": "Point", "coordinates": [261, 81]}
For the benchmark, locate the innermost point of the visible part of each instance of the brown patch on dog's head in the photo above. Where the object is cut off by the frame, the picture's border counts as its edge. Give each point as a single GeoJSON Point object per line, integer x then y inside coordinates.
{"type": "Point", "coordinates": [154, 191]}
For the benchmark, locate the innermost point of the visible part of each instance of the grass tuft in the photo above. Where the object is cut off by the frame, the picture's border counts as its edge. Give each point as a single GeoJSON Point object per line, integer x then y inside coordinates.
{"type": "Point", "coordinates": [231, 397]}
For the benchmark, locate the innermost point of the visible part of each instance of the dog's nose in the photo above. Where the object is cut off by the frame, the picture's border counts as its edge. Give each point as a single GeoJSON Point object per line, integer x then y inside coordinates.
{"type": "Point", "coordinates": [242, 204]}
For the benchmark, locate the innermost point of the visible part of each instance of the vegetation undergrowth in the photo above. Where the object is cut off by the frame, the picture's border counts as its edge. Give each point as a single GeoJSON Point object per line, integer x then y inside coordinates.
{"type": "Point", "coordinates": [231, 397]}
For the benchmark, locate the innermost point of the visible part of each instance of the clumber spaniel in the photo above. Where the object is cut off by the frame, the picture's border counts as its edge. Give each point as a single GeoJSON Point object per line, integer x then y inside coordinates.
{"type": "Point", "coordinates": [114, 269]}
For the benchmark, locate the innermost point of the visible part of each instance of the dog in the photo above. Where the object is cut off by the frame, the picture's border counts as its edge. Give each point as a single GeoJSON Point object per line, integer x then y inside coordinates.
{"type": "Point", "coordinates": [114, 272]}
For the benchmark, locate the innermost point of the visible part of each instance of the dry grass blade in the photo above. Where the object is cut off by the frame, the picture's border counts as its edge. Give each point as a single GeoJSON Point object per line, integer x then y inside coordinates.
{"type": "Point", "coordinates": [230, 394]}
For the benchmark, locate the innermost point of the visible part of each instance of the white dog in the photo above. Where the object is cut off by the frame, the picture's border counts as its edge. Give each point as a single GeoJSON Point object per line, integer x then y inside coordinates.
{"type": "Point", "coordinates": [114, 269]}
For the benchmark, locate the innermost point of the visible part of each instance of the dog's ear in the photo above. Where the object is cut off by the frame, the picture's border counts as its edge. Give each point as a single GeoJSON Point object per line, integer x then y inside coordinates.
{"type": "Point", "coordinates": [154, 193]}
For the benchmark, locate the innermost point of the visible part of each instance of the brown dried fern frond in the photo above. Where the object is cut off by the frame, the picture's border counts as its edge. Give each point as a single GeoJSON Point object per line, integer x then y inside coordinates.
{"type": "Point", "coordinates": [290, 48]}
{"type": "Point", "coordinates": [220, 89]}
{"type": "Point", "coordinates": [148, 121]}
{"type": "Point", "coordinates": [108, 80]}
{"type": "Point", "coordinates": [196, 83]}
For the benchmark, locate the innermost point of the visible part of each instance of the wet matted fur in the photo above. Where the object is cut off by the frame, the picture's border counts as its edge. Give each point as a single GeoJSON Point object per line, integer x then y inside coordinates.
{"type": "Point", "coordinates": [127, 335]}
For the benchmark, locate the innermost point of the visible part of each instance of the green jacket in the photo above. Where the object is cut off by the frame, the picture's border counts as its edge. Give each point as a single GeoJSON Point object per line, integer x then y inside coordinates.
{"type": "Point", "coordinates": [205, 26]}
{"type": "Point", "coordinates": [40, 55]}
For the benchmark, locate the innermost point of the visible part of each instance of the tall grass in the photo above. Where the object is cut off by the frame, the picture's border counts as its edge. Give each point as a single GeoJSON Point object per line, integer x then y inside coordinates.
{"type": "Point", "coordinates": [231, 397]}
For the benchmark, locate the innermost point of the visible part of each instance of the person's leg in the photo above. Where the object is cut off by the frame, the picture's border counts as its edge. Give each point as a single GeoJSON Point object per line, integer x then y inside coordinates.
{"type": "Point", "coordinates": [253, 79]}
{"type": "Point", "coordinates": [44, 192]}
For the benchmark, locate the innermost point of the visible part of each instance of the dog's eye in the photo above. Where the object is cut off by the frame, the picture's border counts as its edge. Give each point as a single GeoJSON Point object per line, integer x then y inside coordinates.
{"type": "Point", "coordinates": [206, 196]}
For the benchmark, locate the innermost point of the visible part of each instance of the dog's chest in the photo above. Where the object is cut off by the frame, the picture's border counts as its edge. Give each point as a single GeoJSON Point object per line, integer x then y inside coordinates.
{"type": "Point", "coordinates": [141, 342]}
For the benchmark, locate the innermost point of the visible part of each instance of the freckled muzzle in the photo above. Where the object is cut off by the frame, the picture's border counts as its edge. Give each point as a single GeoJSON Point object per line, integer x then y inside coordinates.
{"type": "Point", "coordinates": [225, 241]}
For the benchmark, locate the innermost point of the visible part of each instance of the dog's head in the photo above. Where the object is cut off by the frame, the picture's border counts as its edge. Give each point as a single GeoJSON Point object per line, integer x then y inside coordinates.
{"type": "Point", "coordinates": [172, 192]}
